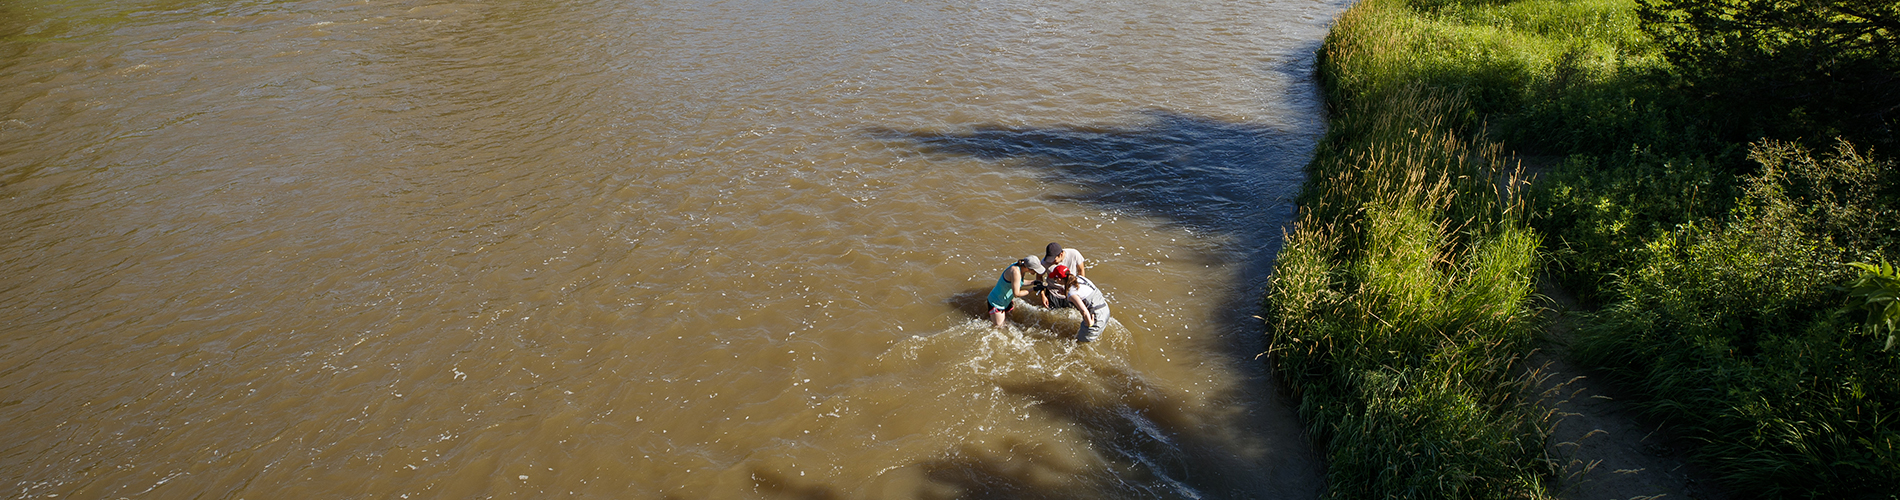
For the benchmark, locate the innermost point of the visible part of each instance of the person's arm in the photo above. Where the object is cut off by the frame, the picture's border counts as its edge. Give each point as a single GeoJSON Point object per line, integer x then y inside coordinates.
{"type": "Point", "coordinates": [1016, 281]}
{"type": "Point", "coordinates": [1088, 318]}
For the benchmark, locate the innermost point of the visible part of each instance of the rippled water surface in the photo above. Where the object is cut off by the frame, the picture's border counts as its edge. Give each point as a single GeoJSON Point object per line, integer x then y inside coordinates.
{"type": "Point", "coordinates": [646, 249]}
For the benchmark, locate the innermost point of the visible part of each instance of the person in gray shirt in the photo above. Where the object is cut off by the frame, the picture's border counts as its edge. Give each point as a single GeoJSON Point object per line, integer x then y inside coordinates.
{"type": "Point", "coordinates": [1084, 296]}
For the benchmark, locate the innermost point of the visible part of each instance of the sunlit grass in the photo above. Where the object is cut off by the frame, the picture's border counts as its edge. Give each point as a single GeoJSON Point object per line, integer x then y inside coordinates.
{"type": "Point", "coordinates": [1400, 305]}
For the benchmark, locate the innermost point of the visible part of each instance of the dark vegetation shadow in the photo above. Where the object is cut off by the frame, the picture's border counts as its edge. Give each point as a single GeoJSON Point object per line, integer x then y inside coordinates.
{"type": "Point", "coordinates": [974, 302]}
{"type": "Point", "coordinates": [1232, 182]}
{"type": "Point", "coordinates": [774, 485]}
{"type": "Point", "coordinates": [1146, 439]}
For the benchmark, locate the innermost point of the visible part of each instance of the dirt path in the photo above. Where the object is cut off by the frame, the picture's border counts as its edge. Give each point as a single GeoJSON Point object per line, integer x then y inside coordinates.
{"type": "Point", "coordinates": [1608, 451]}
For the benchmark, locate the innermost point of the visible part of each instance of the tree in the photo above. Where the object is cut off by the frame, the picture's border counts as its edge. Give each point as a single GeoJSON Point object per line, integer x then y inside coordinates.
{"type": "Point", "coordinates": [1812, 69]}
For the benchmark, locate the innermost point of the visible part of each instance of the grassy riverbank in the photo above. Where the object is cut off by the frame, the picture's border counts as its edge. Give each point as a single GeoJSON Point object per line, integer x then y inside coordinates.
{"type": "Point", "coordinates": [1401, 302]}
{"type": "Point", "coordinates": [1711, 235]}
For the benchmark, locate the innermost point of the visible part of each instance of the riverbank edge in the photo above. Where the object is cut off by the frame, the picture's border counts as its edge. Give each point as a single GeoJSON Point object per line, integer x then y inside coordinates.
{"type": "Point", "coordinates": [1401, 313]}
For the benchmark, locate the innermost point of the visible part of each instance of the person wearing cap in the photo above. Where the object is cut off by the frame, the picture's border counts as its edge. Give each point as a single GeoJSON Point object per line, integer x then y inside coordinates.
{"type": "Point", "coordinates": [1009, 286]}
{"type": "Point", "coordinates": [1083, 296]}
{"type": "Point", "coordinates": [1053, 297]}
{"type": "Point", "coordinates": [1056, 255]}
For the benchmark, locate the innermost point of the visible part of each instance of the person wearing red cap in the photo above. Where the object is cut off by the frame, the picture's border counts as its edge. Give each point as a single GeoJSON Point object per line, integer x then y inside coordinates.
{"type": "Point", "coordinates": [1084, 296]}
{"type": "Point", "coordinates": [1009, 286]}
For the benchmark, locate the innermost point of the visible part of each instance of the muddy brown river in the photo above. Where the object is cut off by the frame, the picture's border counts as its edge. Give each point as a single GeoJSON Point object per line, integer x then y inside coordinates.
{"type": "Point", "coordinates": [643, 249]}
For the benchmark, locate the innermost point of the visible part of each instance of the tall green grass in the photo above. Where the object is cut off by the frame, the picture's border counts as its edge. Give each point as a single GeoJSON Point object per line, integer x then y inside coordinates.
{"type": "Point", "coordinates": [1400, 305]}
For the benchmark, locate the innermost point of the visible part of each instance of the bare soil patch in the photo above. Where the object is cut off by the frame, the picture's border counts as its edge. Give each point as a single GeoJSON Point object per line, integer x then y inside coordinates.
{"type": "Point", "coordinates": [1606, 448]}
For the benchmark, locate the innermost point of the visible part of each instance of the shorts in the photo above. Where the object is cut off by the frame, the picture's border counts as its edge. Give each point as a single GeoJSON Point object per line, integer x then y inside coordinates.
{"type": "Point", "coordinates": [1004, 309]}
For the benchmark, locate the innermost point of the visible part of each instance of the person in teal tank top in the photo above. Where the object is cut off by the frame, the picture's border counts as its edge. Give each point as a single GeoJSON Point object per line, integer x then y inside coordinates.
{"type": "Point", "coordinates": [1009, 286]}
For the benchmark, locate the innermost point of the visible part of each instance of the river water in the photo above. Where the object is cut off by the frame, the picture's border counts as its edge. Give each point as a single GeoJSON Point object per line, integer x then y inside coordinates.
{"type": "Point", "coordinates": [646, 249]}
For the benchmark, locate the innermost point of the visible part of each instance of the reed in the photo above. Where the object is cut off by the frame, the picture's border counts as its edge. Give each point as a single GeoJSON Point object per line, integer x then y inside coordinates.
{"type": "Point", "coordinates": [1400, 308]}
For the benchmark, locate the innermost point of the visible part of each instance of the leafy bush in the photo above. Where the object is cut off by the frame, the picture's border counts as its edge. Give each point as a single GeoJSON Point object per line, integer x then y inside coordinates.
{"type": "Point", "coordinates": [1598, 212]}
{"type": "Point", "coordinates": [1731, 332]}
{"type": "Point", "coordinates": [1847, 196]}
{"type": "Point", "coordinates": [1877, 292]}
{"type": "Point", "coordinates": [1806, 68]}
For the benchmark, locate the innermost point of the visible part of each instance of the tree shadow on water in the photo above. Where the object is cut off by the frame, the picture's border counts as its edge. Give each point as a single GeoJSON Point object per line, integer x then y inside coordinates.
{"type": "Point", "coordinates": [1210, 176]}
{"type": "Point", "coordinates": [1229, 180]}
{"type": "Point", "coordinates": [1199, 172]}
{"type": "Point", "coordinates": [1214, 177]}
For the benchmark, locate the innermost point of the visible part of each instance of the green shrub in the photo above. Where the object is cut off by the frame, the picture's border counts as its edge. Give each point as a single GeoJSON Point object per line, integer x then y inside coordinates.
{"type": "Point", "coordinates": [1847, 196]}
{"type": "Point", "coordinates": [1807, 69]}
{"type": "Point", "coordinates": [1731, 332]}
{"type": "Point", "coordinates": [1877, 292]}
{"type": "Point", "coordinates": [1599, 212]}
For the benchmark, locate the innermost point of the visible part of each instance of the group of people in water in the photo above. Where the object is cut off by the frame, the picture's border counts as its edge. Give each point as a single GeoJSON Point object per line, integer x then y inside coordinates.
{"type": "Point", "coordinates": [1060, 280]}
